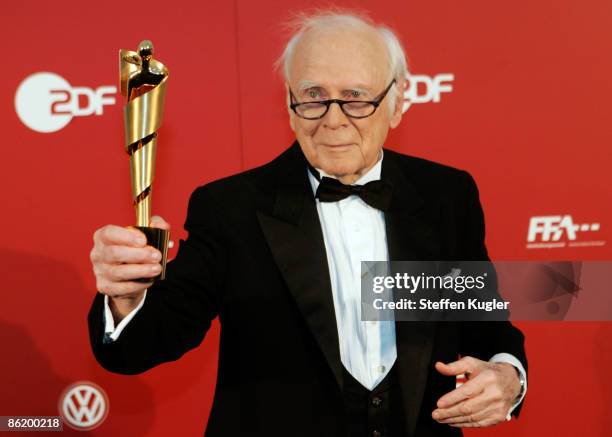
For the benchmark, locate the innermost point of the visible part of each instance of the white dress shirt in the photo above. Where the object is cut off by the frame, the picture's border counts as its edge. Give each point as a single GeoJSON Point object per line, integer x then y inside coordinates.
{"type": "Point", "coordinates": [353, 232]}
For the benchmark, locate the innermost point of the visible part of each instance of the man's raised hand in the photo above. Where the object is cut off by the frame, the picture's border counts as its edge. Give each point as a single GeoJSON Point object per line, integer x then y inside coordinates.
{"type": "Point", "coordinates": [119, 256]}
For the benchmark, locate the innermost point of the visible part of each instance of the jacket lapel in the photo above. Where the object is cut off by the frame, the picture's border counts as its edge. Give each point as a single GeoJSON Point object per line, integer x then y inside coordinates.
{"type": "Point", "coordinates": [294, 235]}
{"type": "Point", "coordinates": [410, 237]}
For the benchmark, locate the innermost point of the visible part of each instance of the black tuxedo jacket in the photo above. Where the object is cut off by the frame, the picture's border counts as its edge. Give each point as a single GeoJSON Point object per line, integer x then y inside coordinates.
{"type": "Point", "coordinates": [255, 258]}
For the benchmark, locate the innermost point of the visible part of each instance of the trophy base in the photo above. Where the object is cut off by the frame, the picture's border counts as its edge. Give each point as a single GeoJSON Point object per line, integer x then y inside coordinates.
{"type": "Point", "coordinates": [157, 238]}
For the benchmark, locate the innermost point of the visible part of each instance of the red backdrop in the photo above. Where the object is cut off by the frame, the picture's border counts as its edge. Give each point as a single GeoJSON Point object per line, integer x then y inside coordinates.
{"type": "Point", "coordinates": [526, 111]}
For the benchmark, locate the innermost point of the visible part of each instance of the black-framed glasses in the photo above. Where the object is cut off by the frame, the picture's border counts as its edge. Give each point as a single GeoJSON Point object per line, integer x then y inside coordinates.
{"type": "Point", "coordinates": [350, 108]}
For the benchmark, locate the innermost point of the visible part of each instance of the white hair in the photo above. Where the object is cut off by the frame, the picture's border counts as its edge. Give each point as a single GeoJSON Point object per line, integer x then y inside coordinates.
{"type": "Point", "coordinates": [331, 19]}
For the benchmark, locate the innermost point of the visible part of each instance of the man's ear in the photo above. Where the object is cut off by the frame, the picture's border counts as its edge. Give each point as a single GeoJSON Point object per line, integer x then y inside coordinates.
{"type": "Point", "coordinates": [396, 116]}
{"type": "Point", "coordinates": [291, 114]}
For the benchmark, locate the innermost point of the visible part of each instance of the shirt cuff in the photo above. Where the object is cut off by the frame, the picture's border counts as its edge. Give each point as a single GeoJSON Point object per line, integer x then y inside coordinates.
{"type": "Point", "coordinates": [511, 359]}
{"type": "Point", "coordinates": [112, 332]}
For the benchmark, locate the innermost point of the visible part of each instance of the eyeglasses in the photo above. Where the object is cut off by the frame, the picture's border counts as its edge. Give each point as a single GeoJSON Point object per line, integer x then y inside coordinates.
{"type": "Point", "coordinates": [351, 108]}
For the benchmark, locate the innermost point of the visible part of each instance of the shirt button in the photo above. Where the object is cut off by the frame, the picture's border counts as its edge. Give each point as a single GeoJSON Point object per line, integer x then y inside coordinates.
{"type": "Point", "coordinates": [382, 369]}
{"type": "Point", "coordinates": [376, 401]}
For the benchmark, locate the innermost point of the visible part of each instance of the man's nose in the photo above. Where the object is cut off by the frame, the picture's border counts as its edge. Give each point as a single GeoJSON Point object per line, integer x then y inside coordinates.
{"type": "Point", "coordinates": [335, 118]}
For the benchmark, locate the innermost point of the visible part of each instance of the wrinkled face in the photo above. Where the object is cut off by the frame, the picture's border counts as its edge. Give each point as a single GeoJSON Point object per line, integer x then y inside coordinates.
{"type": "Point", "coordinates": [348, 65]}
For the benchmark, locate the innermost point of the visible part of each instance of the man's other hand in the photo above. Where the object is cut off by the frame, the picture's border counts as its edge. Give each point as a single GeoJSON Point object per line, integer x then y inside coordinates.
{"type": "Point", "coordinates": [484, 400]}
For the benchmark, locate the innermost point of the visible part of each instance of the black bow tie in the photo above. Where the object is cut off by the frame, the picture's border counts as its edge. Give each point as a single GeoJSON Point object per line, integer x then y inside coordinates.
{"type": "Point", "coordinates": [377, 194]}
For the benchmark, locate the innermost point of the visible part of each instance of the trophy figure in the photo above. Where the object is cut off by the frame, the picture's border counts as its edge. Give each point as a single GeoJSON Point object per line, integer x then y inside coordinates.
{"type": "Point", "coordinates": [143, 83]}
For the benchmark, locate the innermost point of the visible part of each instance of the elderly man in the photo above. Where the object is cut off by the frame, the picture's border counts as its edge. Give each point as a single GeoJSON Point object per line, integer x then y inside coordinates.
{"type": "Point", "coordinates": [274, 252]}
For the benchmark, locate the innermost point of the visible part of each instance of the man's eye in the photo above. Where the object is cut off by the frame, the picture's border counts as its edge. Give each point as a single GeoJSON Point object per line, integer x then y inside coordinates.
{"type": "Point", "coordinates": [355, 94]}
{"type": "Point", "coordinates": [313, 94]}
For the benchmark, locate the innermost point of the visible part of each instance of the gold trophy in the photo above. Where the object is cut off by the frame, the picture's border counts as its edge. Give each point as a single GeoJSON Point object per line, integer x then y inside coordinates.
{"type": "Point", "coordinates": [143, 83]}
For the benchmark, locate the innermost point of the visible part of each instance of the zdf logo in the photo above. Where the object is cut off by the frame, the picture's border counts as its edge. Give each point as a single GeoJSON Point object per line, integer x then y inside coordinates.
{"type": "Point", "coordinates": [83, 405]}
{"type": "Point", "coordinates": [46, 102]}
{"type": "Point", "coordinates": [421, 88]}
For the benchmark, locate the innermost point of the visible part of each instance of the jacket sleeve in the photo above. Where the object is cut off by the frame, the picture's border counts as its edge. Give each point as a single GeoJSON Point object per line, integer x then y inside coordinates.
{"type": "Point", "coordinates": [485, 339]}
{"type": "Point", "coordinates": [178, 311]}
